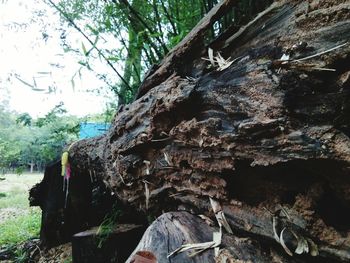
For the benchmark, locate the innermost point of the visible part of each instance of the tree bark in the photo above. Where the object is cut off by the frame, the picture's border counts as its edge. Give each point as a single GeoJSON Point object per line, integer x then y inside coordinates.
{"type": "Point", "coordinates": [266, 137]}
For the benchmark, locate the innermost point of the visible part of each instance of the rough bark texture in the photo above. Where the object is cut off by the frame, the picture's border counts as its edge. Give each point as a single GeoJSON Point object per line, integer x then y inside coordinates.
{"type": "Point", "coordinates": [262, 136]}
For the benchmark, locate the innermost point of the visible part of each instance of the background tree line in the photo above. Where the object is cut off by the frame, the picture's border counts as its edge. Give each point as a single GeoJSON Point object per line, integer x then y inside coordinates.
{"type": "Point", "coordinates": [30, 144]}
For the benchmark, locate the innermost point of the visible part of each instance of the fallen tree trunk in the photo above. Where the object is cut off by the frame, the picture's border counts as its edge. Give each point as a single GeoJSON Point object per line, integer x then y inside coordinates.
{"type": "Point", "coordinates": [171, 230]}
{"type": "Point", "coordinates": [264, 131]}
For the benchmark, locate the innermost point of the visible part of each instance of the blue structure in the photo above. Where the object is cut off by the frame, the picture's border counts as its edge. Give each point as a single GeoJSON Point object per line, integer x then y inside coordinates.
{"type": "Point", "coordinates": [89, 129]}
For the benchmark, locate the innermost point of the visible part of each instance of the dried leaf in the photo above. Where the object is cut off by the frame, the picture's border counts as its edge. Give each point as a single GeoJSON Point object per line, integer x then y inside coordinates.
{"type": "Point", "coordinates": [223, 63]}
{"type": "Point", "coordinates": [313, 248]}
{"type": "Point", "coordinates": [217, 236]}
{"type": "Point", "coordinates": [200, 142]}
{"type": "Point", "coordinates": [285, 212]}
{"type": "Point", "coordinates": [215, 205]}
{"type": "Point", "coordinates": [302, 246]}
{"type": "Point", "coordinates": [199, 246]}
{"type": "Point", "coordinates": [283, 243]}
{"type": "Point", "coordinates": [207, 220]}
{"type": "Point", "coordinates": [285, 57]}
{"type": "Point", "coordinates": [218, 61]}
{"type": "Point", "coordinates": [220, 216]}
{"type": "Point", "coordinates": [147, 163]}
{"type": "Point", "coordinates": [321, 53]}
{"type": "Point", "coordinates": [147, 194]}
{"type": "Point", "coordinates": [211, 56]}
{"type": "Point", "coordinates": [274, 225]}
{"type": "Point", "coordinates": [167, 159]}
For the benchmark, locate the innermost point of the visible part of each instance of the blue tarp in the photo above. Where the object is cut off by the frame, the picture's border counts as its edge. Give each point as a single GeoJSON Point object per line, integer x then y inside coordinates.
{"type": "Point", "coordinates": [89, 129]}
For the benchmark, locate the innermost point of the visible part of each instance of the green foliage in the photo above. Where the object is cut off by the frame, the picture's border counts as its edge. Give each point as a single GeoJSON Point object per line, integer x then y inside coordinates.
{"type": "Point", "coordinates": [24, 119]}
{"type": "Point", "coordinates": [25, 142]}
{"type": "Point", "coordinates": [108, 225]}
{"type": "Point", "coordinates": [145, 30]}
{"type": "Point", "coordinates": [20, 256]}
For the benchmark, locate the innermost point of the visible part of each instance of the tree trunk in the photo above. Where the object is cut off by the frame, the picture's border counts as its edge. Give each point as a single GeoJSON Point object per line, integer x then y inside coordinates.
{"type": "Point", "coordinates": [32, 164]}
{"type": "Point", "coordinates": [268, 138]}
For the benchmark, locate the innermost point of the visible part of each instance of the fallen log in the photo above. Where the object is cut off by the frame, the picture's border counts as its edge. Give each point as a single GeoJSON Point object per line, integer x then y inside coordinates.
{"type": "Point", "coordinates": [262, 127]}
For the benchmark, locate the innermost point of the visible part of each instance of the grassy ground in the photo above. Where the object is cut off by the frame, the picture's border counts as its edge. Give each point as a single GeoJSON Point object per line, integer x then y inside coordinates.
{"type": "Point", "coordinates": [18, 221]}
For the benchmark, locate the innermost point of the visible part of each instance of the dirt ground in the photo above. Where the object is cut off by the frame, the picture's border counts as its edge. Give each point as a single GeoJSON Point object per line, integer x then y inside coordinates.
{"type": "Point", "coordinates": [60, 254]}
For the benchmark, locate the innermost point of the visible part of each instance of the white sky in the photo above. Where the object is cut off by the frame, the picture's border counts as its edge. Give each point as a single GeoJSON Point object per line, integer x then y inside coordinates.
{"type": "Point", "coordinates": [25, 54]}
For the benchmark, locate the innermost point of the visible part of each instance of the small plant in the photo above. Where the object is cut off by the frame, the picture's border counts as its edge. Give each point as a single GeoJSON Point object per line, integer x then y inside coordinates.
{"type": "Point", "coordinates": [108, 225]}
{"type": "Point", "coordinates": [68, 260]}
{"type": "Point", "coordinates": [150, 219]}
{"type": "Point", "coordinates": [21, 256]}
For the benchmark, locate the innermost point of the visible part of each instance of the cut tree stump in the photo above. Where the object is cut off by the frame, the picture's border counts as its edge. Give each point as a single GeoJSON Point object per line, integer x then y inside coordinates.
{"type": "Point", "coordinates": [266, 134]}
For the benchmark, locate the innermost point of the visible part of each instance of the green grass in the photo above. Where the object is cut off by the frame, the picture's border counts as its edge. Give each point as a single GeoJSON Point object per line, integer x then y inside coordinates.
{"type": "Point", "coordinates": [20, 228]}
{"type": "Point", "coordinates": [14, 189]}
{"type": "Point", "coordinates": [18, 222]}
{"type": "Point", "coordinates": [18, 199]}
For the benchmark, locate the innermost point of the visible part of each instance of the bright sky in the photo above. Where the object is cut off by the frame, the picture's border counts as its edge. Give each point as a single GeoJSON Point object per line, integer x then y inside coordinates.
{"type": "Point", "coordinates": [26, 56]}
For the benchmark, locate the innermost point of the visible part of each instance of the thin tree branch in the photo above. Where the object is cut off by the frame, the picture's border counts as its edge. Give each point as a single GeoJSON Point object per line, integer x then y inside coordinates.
{"type": "Point", "coordinates": [146, 37]}
{"type": "Point", "coordinates": [91, 42]}
{"type": "Point", "coordinates": [139, 18]}
{"type": "Point", "coordinates": [158, 21]}
{"type": "Point", "coordinates": [126, 46]}
{"type": "Point", "coordinates": [169, 18]}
